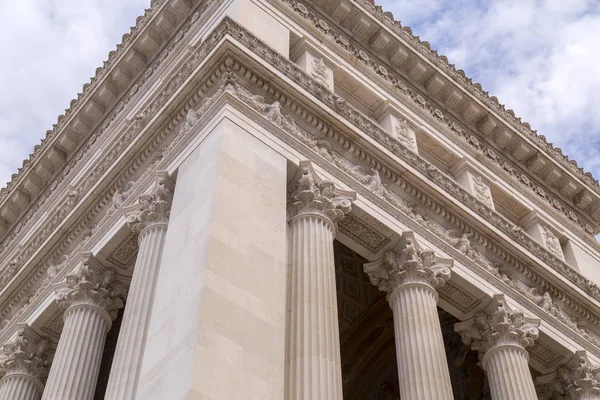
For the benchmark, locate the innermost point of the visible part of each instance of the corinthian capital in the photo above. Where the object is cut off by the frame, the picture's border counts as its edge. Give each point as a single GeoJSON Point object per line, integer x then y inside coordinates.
{"type": "Point", "coordinates": [579, 379]}
{"type": "Point", "coordinates": [498, 326]}
{"type": "Point", "coordinates": [408, 264]}
{"type": "Point", "coordinates": [310, 195]}
{"type": "Point", "coordinates": [154, 207]}
{"type": "Point", "coordinates": [27, 353]}
{"type": "Point", "coordinates": [92, 284]}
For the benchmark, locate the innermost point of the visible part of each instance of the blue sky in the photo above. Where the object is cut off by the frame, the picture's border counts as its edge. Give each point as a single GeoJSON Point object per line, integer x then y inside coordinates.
{"type": "Point", "coordinates": [539, 57]}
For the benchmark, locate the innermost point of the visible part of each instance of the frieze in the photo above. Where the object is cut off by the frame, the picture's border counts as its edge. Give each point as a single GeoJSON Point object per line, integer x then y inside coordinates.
{"type": "Point", "coordinates": [453, 126]}
{"type": "Point", "coordinates": [18, 301]}
{"type": "Point", "coordinates": [230, 27]}
{"type": "Point", "coordinates": [373, 184]}
{"type": "Point", "coordinates": [321, 151]}
{"type": "Point", "coordinates": [367, 126]}
{"type": "Point", "coordinates": [87, 92]}
{"type": "Point", "coordinates": [120, 145]}
{"type": "Point", "coordinates": [545, 355]}
{"type": "Point", "coordinates": [124, 255]}
{"type": "Point", "coordinates": [363, 233]}
{"type": "Point", "coordinates": [458, 297]}
{"type": "Point", "coordinates": [459, 76]}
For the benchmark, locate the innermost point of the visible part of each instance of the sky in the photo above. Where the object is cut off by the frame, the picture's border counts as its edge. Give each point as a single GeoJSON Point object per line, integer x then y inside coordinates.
{"type": "Point", "coordinates": [539, 57]}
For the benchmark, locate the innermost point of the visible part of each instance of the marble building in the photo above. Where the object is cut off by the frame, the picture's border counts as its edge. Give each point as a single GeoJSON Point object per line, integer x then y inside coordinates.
{"type": "Point", "coordinates": [299, 200]}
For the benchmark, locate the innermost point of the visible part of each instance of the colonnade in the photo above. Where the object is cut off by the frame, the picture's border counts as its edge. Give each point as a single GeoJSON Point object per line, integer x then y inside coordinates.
{"type": "Point", "coordinates": [409, 275]}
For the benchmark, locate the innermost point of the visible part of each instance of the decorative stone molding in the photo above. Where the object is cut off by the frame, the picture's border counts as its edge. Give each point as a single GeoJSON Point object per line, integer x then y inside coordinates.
{"type": "Point", "coordinates": [120, 144]}
{"type": "Point", "coordinates": [498, 326]}
{"type": "Point", "coordinates": [153, 208]}
{"type": "Point", "coordinates": [577, 380]}
{"type": "Point", "coordinates": [406, 265]}
{"type": "Point", "coordinates": [124, 255]}
{"type": "Point", "coordinates": [459, 76]}
{"type": "Point", "coordinates": [517, 174]}
{"type": "Point", "coordinates": [545, 355]}
{"type": "Point", "coordinates": [362, 233]}
{"type": "Point", "coordinates": [315, 197]}
{"type": "Point", "coordinates": [373, 178]}
{"type": "Point", "coordinates": [92, 284]}
{"type": "Point", "coordinates": [400, 130]}
{"type": "Point", "coordinates": [457, 297]}
{"type": "Point", "coordinates": [49, 156]}
{"type": "Point", "coordinates": [341, 106]}
{"type": "Point", "coordinates": [469, 179]}
{"type": "Point", "coordinates": [540, 231]}
{"type": "Point", "coordinates": [27, 354]}
{"type": "Point", "coordinates": [375, 181]}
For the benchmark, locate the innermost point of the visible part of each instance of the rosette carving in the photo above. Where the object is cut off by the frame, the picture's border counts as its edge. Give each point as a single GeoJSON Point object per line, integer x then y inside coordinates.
{"type": "Point", "coordinates": [312, 196]}
{"type": "Point", "coordinates": [407, 264]}
{"type": "Point", "coordinates": [92, 284]}
{"type": "Point", "coordinates": [153, 208]}
{"type": "Point", "coordinates": [498, 326]}
{"type": "Point", "coordinates": [27, 354]}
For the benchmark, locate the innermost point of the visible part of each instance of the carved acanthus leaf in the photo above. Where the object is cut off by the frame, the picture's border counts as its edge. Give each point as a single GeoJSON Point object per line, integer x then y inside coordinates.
{"type": "Point", "coordinates": [92, 284]}
{"type": "Point", "coordinates": [497, 326]}
{"type": "Point", "coordinates": [310, 196]}
{"type": "Point", "coordinates": [407, 264]}
{"type": "Point", "coordinates": [27, 354]}
{"type": "Point", "coordinates": [577, 380]}
{"type": "Point", "coordinates": [153, 208]}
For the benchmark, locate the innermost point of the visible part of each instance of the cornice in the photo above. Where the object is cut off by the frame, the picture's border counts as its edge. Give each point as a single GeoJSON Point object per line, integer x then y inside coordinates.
{"type": "Point", "coordinates": [289, 136]}
{"type": "Point", "coordinates": [86, 112]}
{"type": "Point", "coordinates": [299, 77]}
{"type": "Point", "coordinates": [432, 174]}
{"type": "Point", "coordinates": [93, 145]}
{"type": "Point", "coordinates": [424, 48]}
{"type": "Point", "coordinates": [333, 103]}
{"type": "Point", "coordinates": [88, 189]}
{"type": "Point", "coordinates": [513, 173]}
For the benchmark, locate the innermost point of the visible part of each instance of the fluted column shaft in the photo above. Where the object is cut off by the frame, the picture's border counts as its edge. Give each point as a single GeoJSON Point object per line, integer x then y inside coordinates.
{"type": "Point", "coordinates": [410, 276]}
{"type": "Point", "coordinates": [314, 353]}
{"type": "Point", "coordinates": [501, 335]}
{"type": "Point", "coordinates": [422, 365]}
{"type": "Point", "coordinates": [508, 373]}
{"type": "Point", "coordinates": [21, 387]}
{"type": "Point", "coordinates": [75, 368]}
{"type": "Point", "coordinates": [124, 372]}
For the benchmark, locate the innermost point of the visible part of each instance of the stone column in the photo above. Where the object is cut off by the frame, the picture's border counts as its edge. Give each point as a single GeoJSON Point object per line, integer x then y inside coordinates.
{"type": "Point", "coordinates": [24, 364]}
{"type": "Point", "coordinates": [313, 353]}
{"type": "Point", "coordinates": [578, 380]}
{"type": "Point", "coordinates": [91, 302]}
{"type": "Point", "coordinates": [410, 277]}
{"type": "Point", "coordinates": [501, 336]}
{"type": "Point", "coordinates": [149, 218]}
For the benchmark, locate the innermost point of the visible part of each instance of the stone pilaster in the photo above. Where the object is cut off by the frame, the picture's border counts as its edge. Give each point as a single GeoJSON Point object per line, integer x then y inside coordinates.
{"type": "Point", "coordinates": [313, 353]}
{"type": "Point", "coordinates": [91, 301]}
{"type": "Point", "coordinates": [24, 365]}
{"type": "Point", "coordinates": [410, 278]}
{"type": "Point", "coordinates": [501, 336]}
{"type": "Point", "coordinates": [149, 218]}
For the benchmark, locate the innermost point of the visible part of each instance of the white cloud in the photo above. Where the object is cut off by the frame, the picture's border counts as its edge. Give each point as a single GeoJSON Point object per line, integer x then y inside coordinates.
{"type": "Point", "coordinates": [50, 48]}
{"type": "Point", "coordinates": [539, 57]}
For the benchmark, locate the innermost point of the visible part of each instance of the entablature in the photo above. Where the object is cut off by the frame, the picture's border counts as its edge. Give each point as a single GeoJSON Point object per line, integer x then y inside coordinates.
{"type": "Point", "coordinates": [528, 165]}
{"type": "Point", "coordinates": [361, 153]}
{"type": "Point", "coordinates": [89, 112]}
